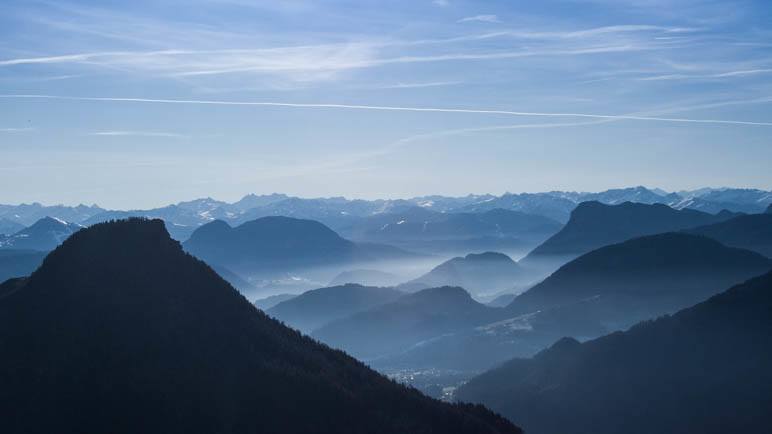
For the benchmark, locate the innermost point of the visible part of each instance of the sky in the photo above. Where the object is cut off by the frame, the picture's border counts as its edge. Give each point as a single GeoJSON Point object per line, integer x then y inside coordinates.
{"type": "Point", "coordinates": [140, 104]}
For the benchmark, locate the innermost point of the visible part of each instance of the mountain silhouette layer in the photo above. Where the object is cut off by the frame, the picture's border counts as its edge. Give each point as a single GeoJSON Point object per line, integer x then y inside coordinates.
{"type": "Point", "coordinates": [275, 244]}
{"type": "Point", "coordinates": [317, 307]}
{"type": "Point", "coordinates": [478, 273]}
{"type": "Point", "coordinates": [146, 338]}
{"type": "Point", "coordinates": [704, 369]}
{"type": "Point", "coordinates": [408, 321]}
{"type": "Point", "coordinates": [752, 232]}
{"type": "Point", "coordinates": [594, 224]}
{"type": "Point", "coordinates": [602, 291]}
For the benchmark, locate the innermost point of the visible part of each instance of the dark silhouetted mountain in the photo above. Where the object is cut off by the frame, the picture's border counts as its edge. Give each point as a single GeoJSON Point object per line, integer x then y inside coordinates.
{"type": "Point", "coordinates": [702, 370]}
{"type": "Point", "coordinates": [27, 214]}
{"type": "Point", "coordinates": [181, 220]}
{"type": "Point", "coordinates": [19, 263]}
{"type": "Point", "coordinates": [608, 289]}
{"type": "Point", "coordinates": [271, 301]}
{"type": "Point", "coordinates": [480, 274]}
{"type": "Point", "coordinates": [317, 307]}
{"type": "Point", "coordinates": [593, 225]}
{"type": "Point", "coordinates": [752, 232]}
{"type": "Point", "coordinates": [366, 278]}
{"type": "Point", "coordinates": [769, 209]}
{"type": "Point", "coordinates": [643, 278]}
{"type": "Point", "coordinates": [408, 321]}
{"type": "Point", "coordinates": [278, 244]}
{"type": "Point", "coordinates": [9, 227]}
{"type": "Point", "coordinates": [144, 338]}
{"type": "Point", "coordinates": [44, 235]}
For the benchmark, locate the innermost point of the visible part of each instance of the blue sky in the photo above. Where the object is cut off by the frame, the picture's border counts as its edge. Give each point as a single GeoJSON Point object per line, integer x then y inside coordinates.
{"type": "Point", "coordinates": [138, 104]}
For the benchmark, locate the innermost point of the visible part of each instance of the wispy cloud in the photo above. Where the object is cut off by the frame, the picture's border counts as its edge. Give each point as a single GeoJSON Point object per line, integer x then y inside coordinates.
{"type": "Point", "coordinates": [326, 61]}
{"type": "Point", "coordinates": [487, 18]}
{"type": "Point", "coordinates": [16, 130]}
{"type": "Point", "coordinates": [420, 85]}
{"type": "Point", "coordinates": [397, 144]}
{"type": "Point", "coordinates": [300, 63]}
{"type": "Point", "coordinates": [395, 109]}
{"type": "Point", "coordinates": [137, 134]}
{"type": "Point", "coordinates": [720, 75]}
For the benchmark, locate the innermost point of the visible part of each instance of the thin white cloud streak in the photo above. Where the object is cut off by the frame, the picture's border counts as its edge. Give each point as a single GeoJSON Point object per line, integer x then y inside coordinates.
{"type": "Point", "coordinates": [395, 145]}
{"type": "Point", "coordinates": [82, 57]}
{"type": "Point", "coordinates": [418, 85]}
{"type": "Point", "coordinates": [729, 74]}
{"type": "Point", "coordinates": [390, 109]}
{"type": "Point", "coordinates": [454, 132]}
{"type": "Point", "coordinates": [556, 35]}
{"type": "Point", "coordinates": [137, 134]}
{"type": "Point", "coordinates": [486, 18]}
{"type": "Point", "coordinates": [16, 130]}
{"type": "Point", "coordinates": [344, 162]}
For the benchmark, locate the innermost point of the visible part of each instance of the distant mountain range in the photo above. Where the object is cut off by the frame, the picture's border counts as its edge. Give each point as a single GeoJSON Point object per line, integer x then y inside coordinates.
{"type": "Point", "coordinates": [704, 369]}
{"type": "Point", "coordinates": [144, 338]}
{"type": "Point", "coordinates": [315, 308]}
{"type": "Point", "coordinates": [43, 235]}
{"type": "Point", "coordinates": [341, 213]}
{"type": "Point", "coordinates": [415, 226]}
{"type": "Point", "coordinates": [594, 224]}
{"type": "Point", "coordinates": [27, 214]}
{"type": "Point", "coordinates": [483, 274]}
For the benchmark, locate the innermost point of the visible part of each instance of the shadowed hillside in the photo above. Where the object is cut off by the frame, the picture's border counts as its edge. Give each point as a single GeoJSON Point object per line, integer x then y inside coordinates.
{"type": "Point", "coordinates": [317, 307]}
{"type": "Point", "coordinates": [702, 370]}
{"type": "Point", "coordinates": [605, 290]}
{"type": "Point", "coordinates": [146, 338]}
{"type": "Point", "coordinates": [752, 232]}
{"type": "Point", "coordinates": [410, 320]}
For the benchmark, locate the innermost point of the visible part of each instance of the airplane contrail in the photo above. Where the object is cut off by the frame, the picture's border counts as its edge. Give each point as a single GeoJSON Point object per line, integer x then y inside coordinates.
{"type": "Point", "coordinates": [388, 108]}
